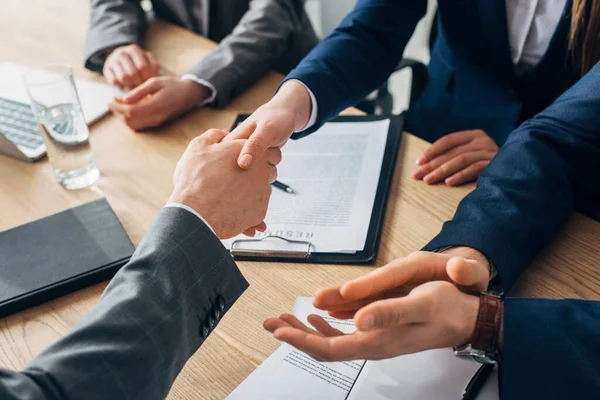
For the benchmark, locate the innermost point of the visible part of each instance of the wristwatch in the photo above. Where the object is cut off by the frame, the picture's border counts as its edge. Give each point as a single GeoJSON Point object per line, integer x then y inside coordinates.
{"type": "Point", "coordinates": [484, 345]}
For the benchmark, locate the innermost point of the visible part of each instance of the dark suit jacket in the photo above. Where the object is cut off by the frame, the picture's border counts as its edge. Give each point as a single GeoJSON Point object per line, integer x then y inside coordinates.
{"type": "Point", "coordinates": [254, 36]}
{"type": "Point", "coordinates": [548, 166]}
{"type": "Point", "coordinates": [471, 85]}
{"type": "Point", "coordinates": [152, 317]}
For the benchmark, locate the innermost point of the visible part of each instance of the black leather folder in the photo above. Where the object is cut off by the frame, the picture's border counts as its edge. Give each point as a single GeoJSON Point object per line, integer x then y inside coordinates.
{"type": "Point", "coordinates": [59, 254]}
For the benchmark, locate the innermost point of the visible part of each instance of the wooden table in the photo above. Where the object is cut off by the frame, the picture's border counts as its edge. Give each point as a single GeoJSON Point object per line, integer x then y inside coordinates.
{"type": "Point", "coordinates": [136, 171]}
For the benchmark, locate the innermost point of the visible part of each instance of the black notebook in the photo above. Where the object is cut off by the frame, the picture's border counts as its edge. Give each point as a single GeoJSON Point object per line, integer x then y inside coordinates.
{"type": "Point", "coordinates": [59, 254]}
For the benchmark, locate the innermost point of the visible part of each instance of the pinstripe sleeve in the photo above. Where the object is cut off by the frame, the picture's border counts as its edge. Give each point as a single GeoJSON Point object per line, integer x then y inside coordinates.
{"type": "Point", "coordinates": [153, 316]}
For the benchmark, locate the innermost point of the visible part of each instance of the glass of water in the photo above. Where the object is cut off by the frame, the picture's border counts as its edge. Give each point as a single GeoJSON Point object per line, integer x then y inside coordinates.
{"type": "Point", "coordinates": [56, 105]}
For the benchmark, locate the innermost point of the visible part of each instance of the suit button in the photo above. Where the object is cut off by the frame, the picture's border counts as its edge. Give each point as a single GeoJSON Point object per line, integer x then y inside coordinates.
{"type": "Point", "coordinates": [204, 331]}
{"type": "Point", "coordinates": [221, 303]}
{"type": "Point", "coordinates": [211, 322]}
{"type": "Point", "coordinates": [216, 313]}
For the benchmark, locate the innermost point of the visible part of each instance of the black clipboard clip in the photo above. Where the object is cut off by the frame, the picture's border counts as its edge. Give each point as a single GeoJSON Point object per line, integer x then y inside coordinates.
{"type": "Point", "coordinates": [237, 252]}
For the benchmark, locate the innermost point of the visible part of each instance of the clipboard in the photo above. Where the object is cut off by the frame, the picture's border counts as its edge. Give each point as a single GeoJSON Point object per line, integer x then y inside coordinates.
{"type": "Point", "coordinates": [369, 252]}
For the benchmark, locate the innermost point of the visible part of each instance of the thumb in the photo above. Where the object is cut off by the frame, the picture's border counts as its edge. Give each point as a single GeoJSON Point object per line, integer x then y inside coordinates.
{"type": "Point", "coordinates": [466, 272]}
{"type": "Point", "coordinates": [213, 136]}
{"type": "Point", "coordinates": [149, 87]}
{"type": "Point", "coordinates": [254, 148]}
{"type": "Point", "coordinates": [388, 313]}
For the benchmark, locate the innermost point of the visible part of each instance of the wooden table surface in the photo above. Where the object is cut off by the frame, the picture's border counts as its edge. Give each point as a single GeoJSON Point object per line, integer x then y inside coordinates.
{"type": "Point", "coordinates": [136, 171]}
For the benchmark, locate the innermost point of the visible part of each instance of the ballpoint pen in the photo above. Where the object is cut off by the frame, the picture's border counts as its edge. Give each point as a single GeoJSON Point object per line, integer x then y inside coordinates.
{"type": "Point", "coordinates": [283, 186]}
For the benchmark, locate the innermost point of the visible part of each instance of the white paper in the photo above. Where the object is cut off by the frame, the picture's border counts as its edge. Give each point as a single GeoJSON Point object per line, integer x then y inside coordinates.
{"type": "Point", "coordinates": [335, 174]}
{"type": "Point", "coordinates": [432, 374]}
{"type": "Point", "coordinates": [292, 375]}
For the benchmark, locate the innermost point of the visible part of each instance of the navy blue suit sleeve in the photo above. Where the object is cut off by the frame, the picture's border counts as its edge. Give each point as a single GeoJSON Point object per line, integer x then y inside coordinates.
{"type": "Point", "coordinates": [358, 56]}
{"type": "Point", "coordinates": [551, 349]}
{"type": "Point", "coordinates": [528, 191]}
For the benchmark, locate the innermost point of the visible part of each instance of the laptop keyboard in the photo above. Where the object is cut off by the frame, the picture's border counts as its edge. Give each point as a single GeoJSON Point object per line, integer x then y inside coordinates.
{"type": "Point", "coordinates": [18, 124]}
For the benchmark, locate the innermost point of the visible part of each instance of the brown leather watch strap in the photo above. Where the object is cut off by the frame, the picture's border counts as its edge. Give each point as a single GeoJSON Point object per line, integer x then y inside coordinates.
{"type": "Point", "coordinates": [487, 327]}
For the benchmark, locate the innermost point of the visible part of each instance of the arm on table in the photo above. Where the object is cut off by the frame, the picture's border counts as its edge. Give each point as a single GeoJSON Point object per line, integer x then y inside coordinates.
{"type": "Point", "coordinates": [529, 190]}
{"type": "Point", "coordinates": [113, 23]}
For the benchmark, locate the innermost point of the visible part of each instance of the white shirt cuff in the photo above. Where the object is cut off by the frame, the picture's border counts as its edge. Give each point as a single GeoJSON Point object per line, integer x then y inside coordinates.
{"type": "Point", "coordinates": [313, 112]}
{"type": "Point", "coordinates": [194, 78]}
{"type": "Point", "coordinates": [178, 205]}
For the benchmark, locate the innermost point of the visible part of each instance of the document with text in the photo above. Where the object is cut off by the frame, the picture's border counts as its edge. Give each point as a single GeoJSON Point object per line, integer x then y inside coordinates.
{"type": "Point", "coordinates": [335, 174]}
{"type": "Point", "coordinates": [293, 375]}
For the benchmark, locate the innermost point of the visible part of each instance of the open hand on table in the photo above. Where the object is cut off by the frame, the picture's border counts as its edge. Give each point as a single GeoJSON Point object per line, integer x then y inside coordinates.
{"type": "Point", "coordinates": [129, 66]}
{"type": "Point", "coordinates": [415, 303]}
{"type": "Point", "coordinates": [433, 315]}
{"type": "Point", "coordinates": [465, 267]}
{"type": "Point", "coordinates": [157, 101]}
{"type": "Point", "coordinates": [457, 158]}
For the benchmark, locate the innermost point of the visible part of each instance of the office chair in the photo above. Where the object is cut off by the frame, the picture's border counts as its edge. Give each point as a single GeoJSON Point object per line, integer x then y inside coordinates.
{"type": "Point", "coordinates": [382, 103]}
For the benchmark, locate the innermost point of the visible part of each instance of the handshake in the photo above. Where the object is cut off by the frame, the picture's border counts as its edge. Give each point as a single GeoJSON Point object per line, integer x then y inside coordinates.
{"type": "Point", "coordinates": [231, 200]}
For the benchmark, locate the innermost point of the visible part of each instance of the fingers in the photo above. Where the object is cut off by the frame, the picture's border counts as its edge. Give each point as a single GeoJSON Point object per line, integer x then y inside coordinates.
{"type": "Point", "coordinates": [444, 144]}
{"type": "Point", "coordinates": [140, 115]}
{"type": "Point", "coordinates": [272, 324]}
{"type": "Point", "coordinates": [273, 156]}
{"type": "Point", "coordinates": [295, 323]}
{"type": "Point", "coordinates": [327, 297]}
{"type": "Point", "coordinates": [417, 268]}
{"type": "Point", "coordinates": [261, 227]}
{"type": "Point", "coordinates": [149, 87]}
{"type": "Point", "coordinates": [426, 168]}
{"type": "Point", "coordinates": [110, 76]}
{"type": "Point", "coordinates": [323, 326]}
{"type": "Point", "coordinates": [455, 165]}
{"type": "Point", "coordinates": [468, 273]}
{"type": "Point", "coordinates": [261, 139]}
{"type": "Point", "coordinates": [250, 232]}
{"type": "Point", "coordinates": [242, 131]}
{"type": "Point", "coordinates": [342, 314]}
{"type": "Point", "coordinates": [469, 174]}
{"type": "Point", "coordinates": [337, 348]}
{"type": "Point", "coordinates": [129, 66]}
{"type": "Point", "coordinates": [272, 174]}
{"type": "Point", "coordinates": [355, 305]}
{"type": "Point", "coordinates": [392, 312]}
{"type": "Point", "coordinates": [131, 76]}
{"type": "Point", "coordinates": [142, 64]}
{"type": "Point", "coordinates": [153, 63]}
{"type": "Point", "coordinates": [119, 75]}
{"type": "Point", "coordinates": [213, 136]}
{"type": "Point", "coordinates": [253, 149]}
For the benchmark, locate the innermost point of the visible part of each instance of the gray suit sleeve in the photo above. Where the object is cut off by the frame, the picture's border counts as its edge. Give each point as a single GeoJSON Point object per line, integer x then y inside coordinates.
{"type": "Point", "coordinates": [262, 36]}
{"type": "Point", "coordinates": [113, 23]}
{"type": "Point", "coordinates": [153, 316]}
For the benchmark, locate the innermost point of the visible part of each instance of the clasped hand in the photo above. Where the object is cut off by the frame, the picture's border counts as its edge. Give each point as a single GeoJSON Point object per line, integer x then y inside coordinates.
{"type": "Point", "coordinates": [415, 303]}
{"type": "Point", "coordinates": [208, 180]}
